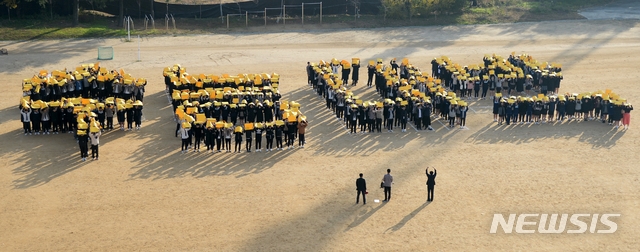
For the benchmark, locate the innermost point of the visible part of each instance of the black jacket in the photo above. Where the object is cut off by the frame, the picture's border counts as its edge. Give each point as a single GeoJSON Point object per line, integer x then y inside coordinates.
{"type": "Point", "coordinates": [361, 185]}
{"type": "Point", "coordinates": [431, 179]}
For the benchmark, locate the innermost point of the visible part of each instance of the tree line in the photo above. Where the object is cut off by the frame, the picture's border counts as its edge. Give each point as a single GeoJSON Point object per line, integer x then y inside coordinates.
{"type": "Point", "coordinates": [56, 8]}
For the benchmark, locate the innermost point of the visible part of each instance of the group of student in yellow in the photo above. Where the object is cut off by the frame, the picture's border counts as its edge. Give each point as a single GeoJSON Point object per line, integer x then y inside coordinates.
{"type": "Point", "coordinates": [66, 101]}
{"type": "Point", "coordinates": [409, 96]}
{"type": "Point", "coordinates": [213, 110]}
{"type": "Point", "coordinates": [526, 91]}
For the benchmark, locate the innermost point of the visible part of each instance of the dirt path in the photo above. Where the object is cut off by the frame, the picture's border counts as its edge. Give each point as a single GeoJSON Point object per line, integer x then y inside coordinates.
{"type": "Point", "coordinates": [144, 195]}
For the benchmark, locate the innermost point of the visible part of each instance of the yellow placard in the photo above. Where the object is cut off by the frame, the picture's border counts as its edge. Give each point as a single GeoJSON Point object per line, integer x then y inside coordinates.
{"type": "Point", "coordinates": [201, 117]}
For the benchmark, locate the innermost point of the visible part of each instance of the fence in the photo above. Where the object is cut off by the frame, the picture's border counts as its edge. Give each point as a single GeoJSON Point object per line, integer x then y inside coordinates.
{"type": "Point", "coordinates": [329, 7]}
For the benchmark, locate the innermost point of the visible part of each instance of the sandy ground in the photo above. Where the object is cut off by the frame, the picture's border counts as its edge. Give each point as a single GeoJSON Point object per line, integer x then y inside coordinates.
{"type": "Point", "coordinates": [144, 195]}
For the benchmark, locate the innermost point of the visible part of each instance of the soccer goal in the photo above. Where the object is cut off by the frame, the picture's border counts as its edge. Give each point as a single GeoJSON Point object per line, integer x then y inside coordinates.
{"type": "Point", "coordinates": [105, 53]}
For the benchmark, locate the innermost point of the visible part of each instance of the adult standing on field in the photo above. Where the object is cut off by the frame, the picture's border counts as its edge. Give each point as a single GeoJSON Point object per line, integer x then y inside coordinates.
{"type": "Point", "coordinates": [361, 187]}
{"type": "Point", "coordinates": [431, 182]}
{"type": "Point", "coordinates": [386, 183]}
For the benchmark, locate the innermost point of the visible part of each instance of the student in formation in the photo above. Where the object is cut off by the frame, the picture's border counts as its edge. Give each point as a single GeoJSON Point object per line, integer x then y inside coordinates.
{"type": "Point", "coordinates": [259, 131]}
{"type": "Point", "coordinates": [238, 134]}
{"type": "Point", "coordinates": [279, 131]}
{"type": "Point", "coordinates": [198, 134]}
{"type": "Point", "coordinates": [137, 114]}
{"type": "Point", "coordinates": [228, 133]}
{"type": "Point", "coordinates": [269, 135]}
{"type": "Point", "coordinates": [184, 132]}
{"type": "Point", "coordinates": [82, 142]}
{"type": "Point", "coordinates": [121, 114]}
{"type": "Point", "coordinates": [248, 137]}
{"type": "Point", "coordinates": [626, 116]}
{"type": "Point", "coordinates": [25, 118]}
{"type": "Point", "coordinates": [130, 116]}
{"type": "Point", "coordinates": [463, 116]}
{"type": "Point", "coordinates": [291, 132]}
{"type": "Point", "coordinates": [210, 136]}
{"type": "Point", "coordinates": [94, 136]}
{"type": "Point", "coordinates": [301, 131]}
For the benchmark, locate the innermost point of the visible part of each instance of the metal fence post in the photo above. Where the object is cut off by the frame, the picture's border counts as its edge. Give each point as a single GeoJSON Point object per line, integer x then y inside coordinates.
{"type": "Point", "coordinates": [320, 12]}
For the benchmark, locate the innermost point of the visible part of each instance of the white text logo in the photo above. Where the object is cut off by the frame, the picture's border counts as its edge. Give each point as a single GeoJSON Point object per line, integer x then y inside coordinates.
{"type": "Point", "coordinates": [554, 224]}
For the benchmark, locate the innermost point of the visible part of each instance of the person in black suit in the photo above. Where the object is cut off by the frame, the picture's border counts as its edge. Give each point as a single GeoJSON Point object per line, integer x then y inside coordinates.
{"type": "Point", "coordinates": [361, 187]}
{"type": "Point", "coordinates": [431, 182]}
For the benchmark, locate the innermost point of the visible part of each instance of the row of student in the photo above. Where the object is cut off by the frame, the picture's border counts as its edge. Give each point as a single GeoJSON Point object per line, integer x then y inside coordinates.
{"type": "Point", "coordinates": [53, 119]}
{"type": "Point", "coordinates": [202, 97]}
{"type": "Point", "coordinates": [352, 69]}
{"type": "Point", "coordinates": [550, 109]}
{"type": "Point", "coordinates": [95, 83]}
{"type": "Point", "coordinates": [219, 139]}
{"type": "Point", "coordinates": [476, 83]}
{"type": "Point", "coordinates": [373, 118]}
{"type": "Point", "coordinates": [237, 113]}
{"type": "Point", "coordinates": [176, 78]}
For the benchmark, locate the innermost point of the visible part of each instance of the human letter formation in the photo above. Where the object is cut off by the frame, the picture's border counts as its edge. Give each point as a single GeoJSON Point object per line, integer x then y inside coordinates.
{"type": "Point", "coordinates": [519, 75]}
{"type": "Point", "coordinates": [214, 110]}
{"type": "Point", "coordinates": [410, 96]}
{"type": "Point", "coordinates": [85, 99]}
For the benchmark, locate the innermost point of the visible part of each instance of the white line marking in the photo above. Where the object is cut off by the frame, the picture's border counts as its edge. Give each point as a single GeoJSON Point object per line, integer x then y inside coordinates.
{"type": "Point", "coordinates": [413, 127]}
{"type": "Point", "coordinates": [442, 124]}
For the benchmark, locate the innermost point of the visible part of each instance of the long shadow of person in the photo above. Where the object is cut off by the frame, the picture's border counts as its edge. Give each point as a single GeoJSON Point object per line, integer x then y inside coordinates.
{"type": "Point", "coordinates": [364, 216]}
{"type": "Point", "coordinates": [407, 218]}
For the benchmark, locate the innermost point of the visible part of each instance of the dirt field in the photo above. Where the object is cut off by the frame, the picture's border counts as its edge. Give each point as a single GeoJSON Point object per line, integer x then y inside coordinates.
{"type": "Point", "coordinates": [144, 195]}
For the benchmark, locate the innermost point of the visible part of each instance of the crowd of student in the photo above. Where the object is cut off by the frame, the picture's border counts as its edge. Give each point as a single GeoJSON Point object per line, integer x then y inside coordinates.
{"type": "Point", "coordinates": [523, 90]}
{"type": "Point", "coordinates": [509, 76]}
{"type": "Point", "coordinates": [212, 110]}
{"type": "Point", "coordinates": [409, 96]}
{"type": "Point", "coordinates": [68, 101]}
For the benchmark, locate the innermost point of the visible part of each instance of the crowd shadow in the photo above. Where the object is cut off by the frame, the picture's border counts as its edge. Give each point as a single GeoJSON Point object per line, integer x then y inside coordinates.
{"type": "Point", "coordinates": [595, 133]}
{"type": "Point", "coordinates": [40, 159]}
